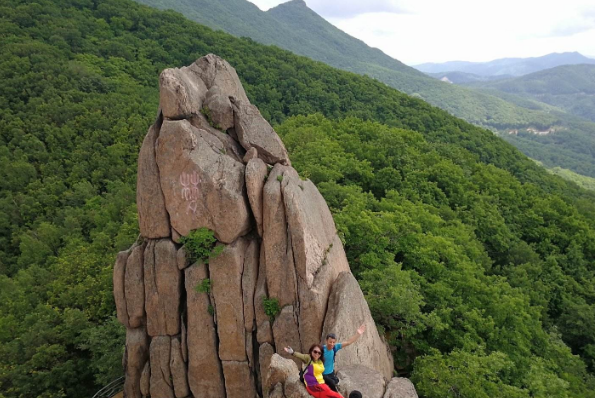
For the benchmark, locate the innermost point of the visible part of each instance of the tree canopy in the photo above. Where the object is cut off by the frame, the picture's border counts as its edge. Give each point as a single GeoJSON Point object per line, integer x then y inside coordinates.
{"type": "Point", "coordinates": [488, 259]}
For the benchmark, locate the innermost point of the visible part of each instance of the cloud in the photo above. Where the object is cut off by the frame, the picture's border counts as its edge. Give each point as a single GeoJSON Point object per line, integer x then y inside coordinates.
{"type": "Point", "coordinates": [582, 21]}
{"type": "Point", "coordinates": [351, 8]}
{"type": "Point", "coordinates": [564, 30]}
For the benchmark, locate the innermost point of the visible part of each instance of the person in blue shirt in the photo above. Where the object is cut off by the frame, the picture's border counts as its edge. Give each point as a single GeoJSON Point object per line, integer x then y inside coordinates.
{"type": "Point", "coordinates": [328, 355]}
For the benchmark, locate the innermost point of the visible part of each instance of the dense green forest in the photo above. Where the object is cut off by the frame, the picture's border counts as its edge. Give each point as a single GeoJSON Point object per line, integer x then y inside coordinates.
{"type": "Point", "coordinates": [487, 261]}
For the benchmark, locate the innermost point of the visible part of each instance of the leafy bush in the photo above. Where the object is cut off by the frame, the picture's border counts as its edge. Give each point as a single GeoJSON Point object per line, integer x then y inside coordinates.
{"type": "Point", "coordinates": [271, 307]}
{"type": "Point", "coordinates": [204, 286]}
{"type": "Point", "coordinates": [200, 245]}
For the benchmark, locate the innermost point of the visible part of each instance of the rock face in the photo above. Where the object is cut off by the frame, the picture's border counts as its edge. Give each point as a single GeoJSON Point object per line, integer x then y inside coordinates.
{"type": "Point", "coordinates": [153, 219]}
{"type": "Point", "coordinates": [350, 311]}
{"type": "Point", "coordinates": [365, 380]}
{"type": "Point", "coordinates": [203, 185]}
{"type": "Point", "coordinates": [400, 387]}
{"type": "Point", "coordinates": [211, 160]}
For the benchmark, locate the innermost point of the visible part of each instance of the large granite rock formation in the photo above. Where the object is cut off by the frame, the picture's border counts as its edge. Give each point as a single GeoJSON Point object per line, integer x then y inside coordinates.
{"type": "Point", "coordinates": [211, 160]}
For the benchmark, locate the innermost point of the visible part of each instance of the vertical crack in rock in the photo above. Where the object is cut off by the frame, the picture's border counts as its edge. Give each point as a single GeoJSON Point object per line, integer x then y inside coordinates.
{"type": "Point", "coordinates": [296, 308]}
{"type": "Point", "coordinates": [263, 324]}
{"type": "Point", "coordinates": [280, 268]}
{"type": "Point", "coordinates": [178, 369]}
{"type": "Point", "coordinates": [163, 284]}
{"type": "Point", "coordinates": [205, 373]}
{"type": "Point", "coordinates": [160, 355]}
{"type": "Point", "coordinates": [226, 284]}
{"type": "Point", "coordinates": [137, 354]}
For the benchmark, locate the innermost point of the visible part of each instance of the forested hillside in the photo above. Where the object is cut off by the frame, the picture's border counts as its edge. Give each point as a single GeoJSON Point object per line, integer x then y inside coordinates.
{"type": "Point", "coordinates": [295, 27]}
{"type": "Point", "coordinates": [568, 87]}
{"type": "Point", "coordinates": [477, 264]}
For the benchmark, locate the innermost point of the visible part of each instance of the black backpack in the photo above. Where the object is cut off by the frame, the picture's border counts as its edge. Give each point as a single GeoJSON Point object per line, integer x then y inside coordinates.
{"type": "Point", "coordinates": [304, 371]}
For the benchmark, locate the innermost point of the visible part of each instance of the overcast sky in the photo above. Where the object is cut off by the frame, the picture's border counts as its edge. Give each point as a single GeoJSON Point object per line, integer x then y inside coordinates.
{"type": "Point", "coordinates": [417, 31]}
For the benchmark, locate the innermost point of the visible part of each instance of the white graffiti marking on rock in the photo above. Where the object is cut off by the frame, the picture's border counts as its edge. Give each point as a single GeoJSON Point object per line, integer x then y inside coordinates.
{"type": "Point", "coordinates": [190, 190]}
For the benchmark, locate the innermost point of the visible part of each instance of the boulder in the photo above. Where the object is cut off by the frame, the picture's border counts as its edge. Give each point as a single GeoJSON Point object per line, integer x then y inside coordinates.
{"type": "Point", "coordinates": [317, 251]}
{"type": "Point", "coordinates": [160, 382]}
{"type": "Point", "coordinates": [255, 132]}
{"type": "Point", "coordinates": [218, 107]}
{"type": "Point", "coordinates": [178, 369]}
{"type": "Point", "coordinates": [365, 380]}
{"type": "Point", "coordinates": [205, 375]}
{"type": "Point", "coordinates": [347, 311]}
{"type": "Point", "coordinates": [136, 355]}
{"type": "Point", "coordinates": [216, 72]}
{"type": "Point", "coordinates": [181, 93]}
{"type": "Point", "coordinates": [118, 280]}
{"type": "Point", "coordinates": [310, 223]}
{"type": "Point", "coordinates": [202, 185]}
{"type": "Point", "coordinates": [284, 372]}
{"type": "Point", "coordinates": [134, 288]}
{"type": "Point", "coordinates": [226, 284]}
{"type": "Point", "coordinates": [239, 380]}
{"type": "Point", "coordinates": [280, 370]}
{"type": "Point", "coordinates": [277, 392]}
{"type": "Point", "coordinates": [182, 258]}
{"type": "Point", "coordinates": [314, 298]}
{"type": "Point", "coordinates": [163, 286]}
{"type": "Point", "coordinates": [294, 388]}
{"type": "Point", "coordinates": [256, 173]}
{"type": "Point", "coordinates": [265, 353]}
{"type": "Point", "coordinates": [230, 145]}
{"type": "Point", "coordinates": [153, 220]}
{"type": "Point", "coordinates": [400, 387]}
{"type": "Point", "coordinates": [251, 153]}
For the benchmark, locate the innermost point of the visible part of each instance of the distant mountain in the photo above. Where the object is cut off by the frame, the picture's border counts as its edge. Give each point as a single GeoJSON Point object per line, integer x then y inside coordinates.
{"type": "Point", "coordinates": [568, 87]}
{"type": "Point", "coordinates": [295, 27]}
{"type": "Point", "coordinates": [462, 77]}
{"type": "Point", "coordinates": [507, 66]}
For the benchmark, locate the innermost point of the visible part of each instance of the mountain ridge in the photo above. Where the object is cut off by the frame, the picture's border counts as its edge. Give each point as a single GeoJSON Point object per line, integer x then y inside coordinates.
{"type": "Point", "coordinates": [297, 28]}
{"type": "Point", "coordinates": [507, 66]}
{"type": "Point", "coordinates": [477, 108]}
{"type": "Point", "coordinates": [568, 87]}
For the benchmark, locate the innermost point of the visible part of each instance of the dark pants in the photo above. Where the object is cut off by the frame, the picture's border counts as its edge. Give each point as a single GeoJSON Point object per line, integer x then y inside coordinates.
{"type": "Point", "coordinates": [331, 380]}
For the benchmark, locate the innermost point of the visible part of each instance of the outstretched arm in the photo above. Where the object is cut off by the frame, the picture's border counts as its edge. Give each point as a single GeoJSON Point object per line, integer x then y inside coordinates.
{"type": "Point", "coordinates": [353, 338]}
{"type": "Point", "coordinates": [303, 357]}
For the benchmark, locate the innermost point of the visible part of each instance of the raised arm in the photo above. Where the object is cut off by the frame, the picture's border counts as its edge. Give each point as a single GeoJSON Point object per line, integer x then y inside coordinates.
{"type": "Point", "coordinates": [356, 336]}
{"type": "Point", "coordinates": [303, 357]}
